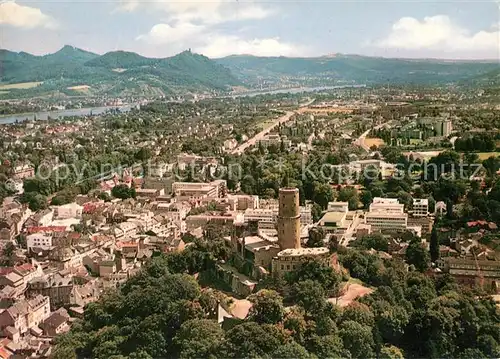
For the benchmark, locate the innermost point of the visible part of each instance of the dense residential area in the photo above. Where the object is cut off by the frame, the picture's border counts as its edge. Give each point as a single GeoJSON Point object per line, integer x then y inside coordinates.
{"type": "Point", "coordinates": [343, 223]}
{"type": "Point", "coordinates": [212, 179]}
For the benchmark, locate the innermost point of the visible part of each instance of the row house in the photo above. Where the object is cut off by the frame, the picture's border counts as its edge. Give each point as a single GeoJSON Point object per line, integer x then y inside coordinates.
{"type": "Point", "coordinates": [40, 219]}
{"type": "Point", "coordinates": [124, 230]}
{"type": "Point", "coordinates": [66, 257]}
{"type": "Point", "coordinates": [100, 262]}
{"type": "Point", "coordinates": [67, 211]}
{"type": "Point", "coordinates": [44, 238]}
{"type": "Point", "coordinates": [165, 244]}
{"type": "Point", "coordinates": [8, 228]}
{"type": "Point", "coordinates": [25, 314]}
{"type": "Point", "coordinates": [84, 294]}
{"type": "Point", "coordinates": [12, 223]}
{"type": "Point", "coordinates": [176, 211]}
{"type": "Point", "coordinates": [194, 222]}
{"type": "Point", "coordinates": [151, 193]}
{"type": "Point", "coordinates": [56, 324]}
{"type": "Point", "coordinates": [53, 285]}
{"type": "Point", "coordinates": [9, 206]}
{"type": "Point", "coordinates": [17, 278]}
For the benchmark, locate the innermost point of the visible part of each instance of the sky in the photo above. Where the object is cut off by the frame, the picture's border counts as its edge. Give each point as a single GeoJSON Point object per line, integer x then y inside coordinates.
{"type": "Point", "coordinates": [450, 29]}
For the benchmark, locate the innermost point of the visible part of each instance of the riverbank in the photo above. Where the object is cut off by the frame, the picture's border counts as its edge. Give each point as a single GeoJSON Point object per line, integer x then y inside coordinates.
{"type": "Point", "coordinates": [79, 112]}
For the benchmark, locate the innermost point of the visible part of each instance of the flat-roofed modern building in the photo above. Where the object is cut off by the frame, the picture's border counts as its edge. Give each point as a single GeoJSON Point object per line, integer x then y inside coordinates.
{"type": "Point", "coordinates": [388, 221]}
{"type": "Point", "coordinates": [338, 207]}
{"type": "Point", "coordinates": [266, 218]}
{"type": "Point", "coordinates": [214, 189]}
{"type": "Point", "coordinates": [391, 205]}
{"type": "Point", "coordinates": [386, 214]}
{"type": "Point", "coordinates": [332, 220]}
{"type": "Point", "coordinates": [420, 207]}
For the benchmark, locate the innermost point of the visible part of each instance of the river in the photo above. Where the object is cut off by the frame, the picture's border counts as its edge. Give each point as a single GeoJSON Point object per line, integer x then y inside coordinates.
{"type": "Point", "coordinates": [44, 115]}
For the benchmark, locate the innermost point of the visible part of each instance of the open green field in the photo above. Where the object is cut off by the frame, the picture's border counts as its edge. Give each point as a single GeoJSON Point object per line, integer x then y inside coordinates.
{"type": "Point", "coordinates": [485, 155]}
{"type": "Point", "coordinates": [20, 86]}
{"type": "Point", "coordinates": [377, 142]}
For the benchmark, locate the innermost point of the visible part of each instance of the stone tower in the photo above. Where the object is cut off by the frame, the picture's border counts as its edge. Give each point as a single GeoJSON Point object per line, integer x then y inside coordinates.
{"type": "Point", "coordinates": [289, 218]}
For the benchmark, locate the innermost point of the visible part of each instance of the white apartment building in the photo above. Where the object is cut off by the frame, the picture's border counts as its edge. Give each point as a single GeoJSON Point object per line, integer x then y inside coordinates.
{"type": "Point", "coordinates": [215, 189]}
{"type": "Point", "coordinates": [268, 217]}
{"type": "Point", "coordinates": [386, 205]}
{"type": "Point", "coordinates": [420, 207]}
{"type": "Point", "coordinates": [125, 229]}
{"type": "Point", "coordinates": [386, 213]}
{"type": "Point", "coordinates": [389, 221]}
{"type": "Point", "coordinates": [39, 240]}
{"type": "Point", "coordinates": [244, 202]}
{"type": "Point", "coordinates": [443, 128]}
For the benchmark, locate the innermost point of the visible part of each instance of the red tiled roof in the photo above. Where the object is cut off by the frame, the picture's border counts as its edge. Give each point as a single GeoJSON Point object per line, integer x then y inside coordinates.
{"type": "Point", "coordinates": [46, 229]}
{"type": "Point", "coordinates": [26, 267]}
{"type": "Point", "coordinates": [74, 235]}
{"type": "Point", "coordinates": [4, 354]}
{"type": "Point", "coordinates": [6, 270]}
{"type": "Point", "coordinates": [89, 207]}
{"type": "Point", "coordinates": [476, 223]}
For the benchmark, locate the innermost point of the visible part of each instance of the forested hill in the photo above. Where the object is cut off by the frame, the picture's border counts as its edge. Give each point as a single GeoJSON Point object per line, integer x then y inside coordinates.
{"type": "Point", "coordinates": [72, 71]}
{"type": "Point", "coordinates": [354, 68]}
{"type": "Point", "coordinates": [491, 78]}
{"type": "Point", "coordinates": [114, 73]}
{"type": "Point", "coordinates": [162, 312]}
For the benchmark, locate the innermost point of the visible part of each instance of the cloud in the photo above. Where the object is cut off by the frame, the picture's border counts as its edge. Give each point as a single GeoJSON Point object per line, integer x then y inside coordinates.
{"type": "Point", "coordinates": [126, 6]}
{"type": "Point", "coordinates": [204, 11]}
{"type": "Point", "coordinates": [222, 45]}
{"type": "Point", "coordinates": [203, 39]}
{"type": "Point", "coordinates": [440, 34]}
{"type": "Point", "coordinates": [194, 24]}
{"type": "Point", "coordinates": [26, 17]}
{"type": "Point", "coordinates": [166, 34]}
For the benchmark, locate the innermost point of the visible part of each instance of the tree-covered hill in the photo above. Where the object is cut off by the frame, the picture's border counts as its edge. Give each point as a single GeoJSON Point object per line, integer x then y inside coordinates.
{"type": "Point", "coordinates": [120, 60]}
{"type": "Point", "coordinates": [114, 73]}
{"type": "Point", "coordinates": [359, 69]}
{"type": "Point", "coordinates": [65, 63]}
{"type": "Point", "coordinates": [491, 78]}
{"type": "Point", "coordinates": [125, 73]}
{"type": "Point", "coordinates": [163, 313]}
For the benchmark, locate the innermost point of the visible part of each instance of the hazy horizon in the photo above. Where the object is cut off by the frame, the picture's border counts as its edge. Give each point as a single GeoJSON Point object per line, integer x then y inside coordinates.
{"type": "Point", "coordinates": [264, 56]}
{"type": "Point", "coordinates": [451, 30]}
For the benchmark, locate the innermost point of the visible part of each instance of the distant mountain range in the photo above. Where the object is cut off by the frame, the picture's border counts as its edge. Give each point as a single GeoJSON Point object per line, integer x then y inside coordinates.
{"type": "Point", "coordinates": [72, 71]}
{"type": "Point", "coordinates": [355, 68]}
{"type": "Point", "coordinates": [490, 78]}
{"type": "Point", "coordinates": [114, 73]}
